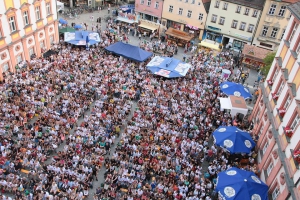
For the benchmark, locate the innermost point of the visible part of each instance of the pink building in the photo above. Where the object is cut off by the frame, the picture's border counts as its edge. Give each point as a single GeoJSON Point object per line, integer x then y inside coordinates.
{"type": "Point", "coordinates": [149, 9]}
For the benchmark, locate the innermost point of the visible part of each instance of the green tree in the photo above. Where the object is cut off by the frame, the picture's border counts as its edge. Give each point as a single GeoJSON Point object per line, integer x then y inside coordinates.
{"type": "Point", "coordinates": [268, 60]}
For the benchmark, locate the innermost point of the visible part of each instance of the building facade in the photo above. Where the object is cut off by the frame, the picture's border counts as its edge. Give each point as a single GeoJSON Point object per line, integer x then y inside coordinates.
{"type": "Point", "coordinates": [150, 10]}
{"type": "Point", "coordinates": [273, 23]}
{"type": "Point", "coordinates": [26, 27]}
{"type": "Point", "coordinates": [276, 117]}
{"type": "Point", "coordinates": [232, 22]}
{"type": "Point", "coordinates": [186, 15]}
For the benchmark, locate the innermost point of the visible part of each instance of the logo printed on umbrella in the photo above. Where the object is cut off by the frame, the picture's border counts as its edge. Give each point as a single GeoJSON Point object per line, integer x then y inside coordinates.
{"type": "Point", "coordinates": [225, 86]}
{"type": "Point", "coordinates": [231, 172]}
{"type": "Point", "coordinates": [229, 192]}
{"type": "Point", "coordinates": [255, 197]}
{"type": "Point", "coordinates": [228, 143]}
{"type": "Point", "coordinates": [248, 144]}
{"type": "Point", "coordinates": [222, 129]}
{"type": "Point", "coordinates": [237, 94]}
{"type": "Point", "coordinates": [246, 90]}
{"type": "Point", "coordinates": [214, 139]}
{"type": "Point", "coordinates": [255, 179]}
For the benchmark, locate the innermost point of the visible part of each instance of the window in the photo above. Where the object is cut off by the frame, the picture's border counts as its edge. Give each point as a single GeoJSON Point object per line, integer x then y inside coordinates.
{"type": "Point", "coordinates": [287, 102]}
{"type": "Point", "coordinates": [142, 2]}
{"type": "Point", "coordinates": [156, 5]}
{"type": "Point", "coordinates": [170, 9]}
{"type": "Point", "coordinates": [265, 45]}
{"type": "Point", "coordinates": [250, 28]}
{"type": "Point", "coordinates": [200, 17]}
{"type": "Point", "coordinates": [25, 18]}
{"type": "Point", "coordinates": [31, 52]}
{"type": "Point", "coordinates": [180, 11]}
{"type": "Point", "coordinates": [295, 123]}
{"type": "Point", "coordinates": [282, 11]}
{"type": "Point", "coordinates": [272, 9]}
{"type": "Point", "coordinates": [274, 32]}
{"type": "Point", "coordinates": [264, 31]}
{"type": "Point", "coordinates": [298, 48]}
{"type": "Point", "coordinates": [238, 9]}
{"type": "Point", "coordinates": [280, 88]}
{"type": "Point", "coordinates": [42, 44]}
{"type": "Point", "coordinates": [234, 24]}
{"type": "Point", "coordinates": [265, 147]}
{"type": "Point", "coordinates": [214, 18]}
{"type": "Point", "coordinates": [51, 39]}
{"type": "Point", "coordinates": [217, 4]}
{"type": "Point", "coordinates": [225, 6]}
{"type": "Point", "coordinates": [5, 67]}
{"type": "Point", "coordinates": [186, 1]}
{"type": "Point", "coordinates": [12, 24]}
{"type": "Point", "coordinates": [275, 193]}
{"type": "Point", "coordinates": [255, 12]}
{"type": "Point", "coordinates": [269, 169]}
{"type": "Point", "coordinates": [283, 32]}
{"type": "Point", "coordinates": [149, 3]}
{"type": "Point", "coordinates": [242, 26]}
{"type": "Point", "coordinates": [193, 1]}
{"type": "Point", "coordinates": [199, 3]}
{"type": "Point", "coordinates": [275, 75]}
{"type": "Point", "coordinates": [19, 58]}
{"type": "Point", "coordinates": [38, 13]}
{"type": "Point", "coordinates": [222, 20]}
{"type": "Point", "coordinates": [293, 32]}
{"type": "Point", "coordinates": [189, 14]}
{"type": "Point", "coordinates": [48, 9]}
{"type": "Point", "coordinates": [247, 10]}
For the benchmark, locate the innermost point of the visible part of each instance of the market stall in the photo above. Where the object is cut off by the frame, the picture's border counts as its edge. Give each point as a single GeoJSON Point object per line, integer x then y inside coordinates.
{"type": "Point", "coordinates": [127, 18]}
{"type": "Point", "coordinates": [253, 57]}
{"type": "Point", "coordinates": [178, 37]}
{"type": "Point", "coordinates": [234, 104]}
{"type": "Point", "coordinates": [149, 27]}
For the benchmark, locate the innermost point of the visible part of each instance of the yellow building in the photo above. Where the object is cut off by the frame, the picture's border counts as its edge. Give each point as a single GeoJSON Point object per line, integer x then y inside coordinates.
{"type": "Point", "coordinates": [27, 27]}
{"type": "Point", "coordinates": [186, 15]}
{"type": "Point", "coordinates": [272, 25]}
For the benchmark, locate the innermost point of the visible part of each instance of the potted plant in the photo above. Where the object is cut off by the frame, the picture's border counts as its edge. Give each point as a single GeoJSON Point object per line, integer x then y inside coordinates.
{"type": "Point", "coordinates": [281, 112]}
{"type": "Point", "coordinates": [274, 96]}
{"type": "Point", "coordinates": [288, 132]}
{"type": "Point", "coordinates": [297, 155]}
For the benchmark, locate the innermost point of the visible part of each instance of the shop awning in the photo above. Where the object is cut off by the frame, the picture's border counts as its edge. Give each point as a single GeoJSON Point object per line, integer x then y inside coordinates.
{"type": "Point", "coordinates": [179, 34]}
{"type": "Point", "coordinates": [152, 28]}
{"type": "Point", "coordinates": [210, 45]}
{"type": "Point", "coordinates": [122, 19]}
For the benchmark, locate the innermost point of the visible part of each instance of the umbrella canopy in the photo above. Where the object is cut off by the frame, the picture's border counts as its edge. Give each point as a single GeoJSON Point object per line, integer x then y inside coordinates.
{"type": "Point", "coordinates": [62, 21]}
{"type": "Point", "coordinates": [67, 29]}
{"type": "Point", "coordinates": [77, 26]}
{"type": "Point", "coordinates": [236, 184]}
{"type": "Point", "coordinates": [235, 89]}
{"type": "Point", "coordinates": [168, 67]}
{"type": "Point", "coordinates": [81, 38]}
{"type": "Point", "coordinates": [233, 139]}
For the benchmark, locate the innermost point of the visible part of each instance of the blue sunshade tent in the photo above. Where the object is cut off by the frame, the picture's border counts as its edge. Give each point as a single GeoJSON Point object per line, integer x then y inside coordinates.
{"type": "Point", "coordinates": [168, 67]}
{"type": "Point", "coordinates": [237, 184]}
{"type": "Point", "coordinates": [82, 38]}
{"type": "Point", "coordinates": [77, 26]}
{"type": "Point", "coordinates": [62, 21]}
{"type": "Point", "coordinates": [233, 139]}
{"type": "Point", "coordinates": [235, 89]}
{"type": "Point", "coordinates": [129, 51]}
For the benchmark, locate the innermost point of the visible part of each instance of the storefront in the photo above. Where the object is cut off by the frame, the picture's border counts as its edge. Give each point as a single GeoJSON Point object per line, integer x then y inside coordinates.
{"type": "Point", "coordinates": [149, 27]}
{"type": "Point", "coordinates": [253, 57]}
{"type": "Point", "coordinates": [178, 37]}
{"type": "Point", "coordinates": [173, 24]}
{"type": "Point", "coordinates": [192, 30]}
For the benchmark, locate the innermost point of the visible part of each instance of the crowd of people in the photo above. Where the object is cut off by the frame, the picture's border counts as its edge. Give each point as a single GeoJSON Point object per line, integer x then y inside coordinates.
{"type": "Point", "coordinates": [61, 115]}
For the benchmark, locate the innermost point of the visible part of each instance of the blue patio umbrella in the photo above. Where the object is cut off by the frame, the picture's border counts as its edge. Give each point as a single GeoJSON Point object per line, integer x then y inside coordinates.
{"type": "Point", "coordinates": [77, 26]}
{"type": "Point", "coordinates": [62, 21]}
{"type": "Point", "coordinates": [236, 184]}
{"type": "Point", "coordinates": [235, 89]}
{"type": "Point", "coordinates": [87, 40]}
{"type": "Point", "coordinates": [233, 139]}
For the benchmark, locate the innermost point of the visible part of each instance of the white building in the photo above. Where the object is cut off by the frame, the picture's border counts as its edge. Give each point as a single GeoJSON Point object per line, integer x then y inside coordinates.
{"type": "Point", "coordinates": [232, 22]}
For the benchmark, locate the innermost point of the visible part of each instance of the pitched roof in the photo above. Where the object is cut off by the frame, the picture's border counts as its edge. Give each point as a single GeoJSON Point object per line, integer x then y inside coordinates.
{"type": "Point", "coordinates": [255, 52]}
{"type": "Point", "coordinates": [257, 4]}
{"type": "Point", "coordinates": [295, 10]}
